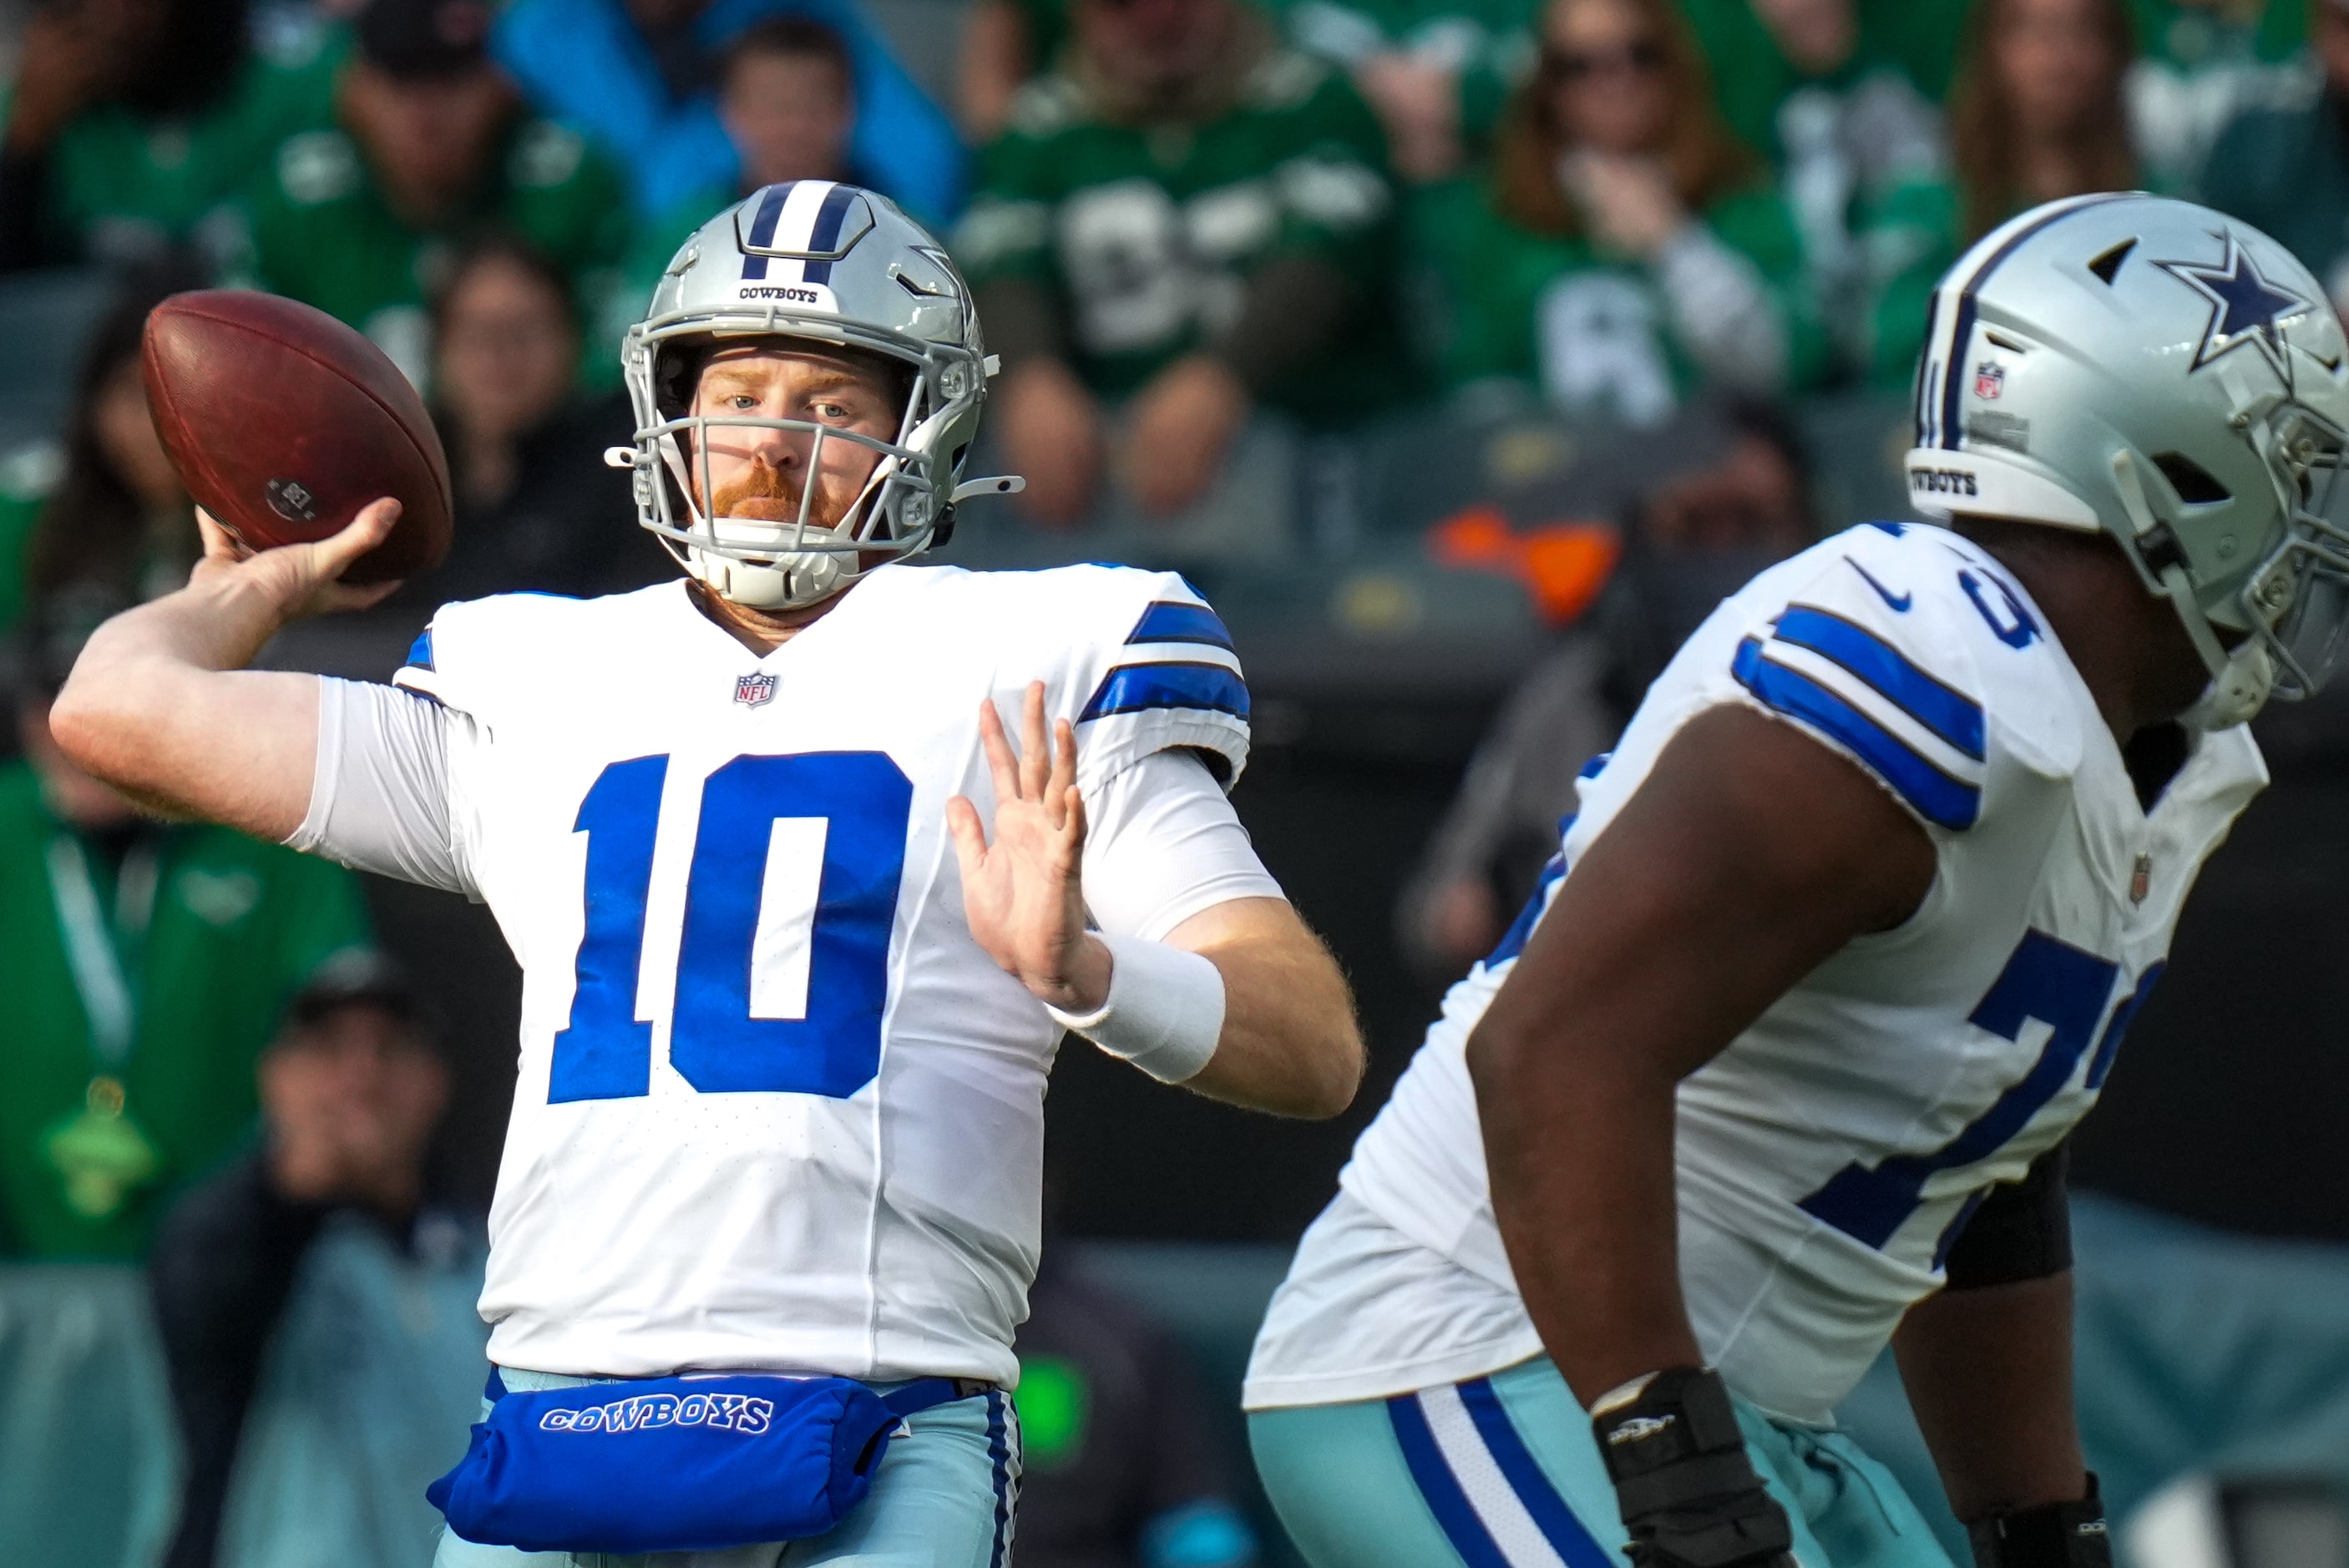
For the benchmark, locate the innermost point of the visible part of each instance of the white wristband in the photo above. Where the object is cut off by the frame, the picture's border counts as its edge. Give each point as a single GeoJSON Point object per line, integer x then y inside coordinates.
{"type": "Point", "coordinates": [1165, 1011]}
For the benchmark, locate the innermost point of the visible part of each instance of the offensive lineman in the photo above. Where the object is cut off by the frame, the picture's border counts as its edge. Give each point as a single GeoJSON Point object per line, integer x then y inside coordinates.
{"type": "Point", "coordinates": [1777, 1066]}
{"type": "Point", "coordinates": [788, 1011]}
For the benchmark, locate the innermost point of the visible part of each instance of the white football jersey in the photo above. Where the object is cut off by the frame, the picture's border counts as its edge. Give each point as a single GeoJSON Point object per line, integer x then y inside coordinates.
{"type": "Point", "coordinates": [776, 1108]}
{"type": "Point", "coordinates": [1827, 1157]}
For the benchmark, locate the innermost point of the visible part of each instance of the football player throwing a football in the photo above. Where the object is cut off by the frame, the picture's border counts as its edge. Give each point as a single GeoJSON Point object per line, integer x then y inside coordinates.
{"type": "Point", "coordinates": [1778, 1066]}
{"type": "Point", "coordinates": [809, 862]}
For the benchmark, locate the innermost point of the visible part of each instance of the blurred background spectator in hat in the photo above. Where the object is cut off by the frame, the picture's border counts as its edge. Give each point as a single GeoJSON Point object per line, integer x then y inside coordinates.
{"type": "Point", "coordinates": [1627, 248]}
{"type": "Point", "coordinates": [434, 146]}
{"type": "Point", "coordinates": [1185, 221]}
{"type": "Point", "coordinates": [351, 1087]}
{"type": "Point", "coordinates": [144, 968]}
{"type": "Point", "coordinates": [641, 77]}
{"type": "Point", "coordinates": [132, 123]}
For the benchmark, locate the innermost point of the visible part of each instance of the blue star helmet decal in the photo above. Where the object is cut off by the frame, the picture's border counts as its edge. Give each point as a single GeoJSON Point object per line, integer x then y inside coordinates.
{"type": "Point", "coordinates": [2244, 306]}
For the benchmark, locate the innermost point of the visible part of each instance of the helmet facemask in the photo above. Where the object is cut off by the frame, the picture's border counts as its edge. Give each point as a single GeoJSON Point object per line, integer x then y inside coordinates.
{"type": "Point", "coordinates": [2287, 610]}
{"type": "Point", "coordinates": [822, 268]}
{"type": "Point", "coordinates": [2296, 603]}
{"type": "Point", "coordinates": [768, 563]}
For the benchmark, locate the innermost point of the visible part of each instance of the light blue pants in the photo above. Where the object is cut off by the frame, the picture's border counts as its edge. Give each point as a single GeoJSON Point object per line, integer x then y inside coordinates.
{"type": "Point", "coordinates": [943, 1498]}
{"type": "Point", "coordinates": [1502, 1472]}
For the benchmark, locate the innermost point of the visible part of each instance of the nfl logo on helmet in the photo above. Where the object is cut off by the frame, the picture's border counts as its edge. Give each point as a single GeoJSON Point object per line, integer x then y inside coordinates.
{"type": "Point", "coordinates": [754, 691]}
{"type": "Point", "coordinates": [1989, 379]}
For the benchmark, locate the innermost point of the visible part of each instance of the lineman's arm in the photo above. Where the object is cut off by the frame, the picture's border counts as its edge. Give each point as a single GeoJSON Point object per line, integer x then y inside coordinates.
{"type": "Point", "coordinates": [1751, 852]}
{"type": "Point", "coordinates": [1988, 1361]}
{"type": "Point", "coordinates": [1287, 1042]}
{"type": "Point", "coordinates": [159, 704]}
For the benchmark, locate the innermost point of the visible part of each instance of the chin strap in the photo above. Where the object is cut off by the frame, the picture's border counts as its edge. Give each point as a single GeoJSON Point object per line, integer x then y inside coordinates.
{"type": "Point", "coordinates": [2240, 681]}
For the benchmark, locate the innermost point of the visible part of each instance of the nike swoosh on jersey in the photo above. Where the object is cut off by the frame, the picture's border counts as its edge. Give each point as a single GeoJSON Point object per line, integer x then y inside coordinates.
{"type": "Point", "coordinates": [1900, 604]}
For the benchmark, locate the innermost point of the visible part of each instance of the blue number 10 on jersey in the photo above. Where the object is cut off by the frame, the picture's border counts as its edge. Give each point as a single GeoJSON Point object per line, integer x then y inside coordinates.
{"type": "Point", "coordinates": [856, 806]}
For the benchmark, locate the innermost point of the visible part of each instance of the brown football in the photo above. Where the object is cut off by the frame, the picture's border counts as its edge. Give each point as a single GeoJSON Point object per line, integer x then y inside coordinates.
{"type": "Point", "coordinates": [283, 423]}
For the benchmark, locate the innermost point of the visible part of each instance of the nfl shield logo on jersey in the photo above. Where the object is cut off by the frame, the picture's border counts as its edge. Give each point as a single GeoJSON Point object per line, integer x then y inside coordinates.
{"type": "Point", "coordinates": [754, 691]}
{"type": "Point", "coordinates": [1989, 379]}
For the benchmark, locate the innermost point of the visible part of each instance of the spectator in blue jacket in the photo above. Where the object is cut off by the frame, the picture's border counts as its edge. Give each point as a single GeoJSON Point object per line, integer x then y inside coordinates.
{"type": "Point", "coordinates": [639, 76]}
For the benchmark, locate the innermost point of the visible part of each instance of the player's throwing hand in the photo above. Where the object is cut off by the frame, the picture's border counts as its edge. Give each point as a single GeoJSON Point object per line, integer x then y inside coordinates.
{"type": "Point", "coordinates": [300, 580]}
{"type": "Point", "coordinates": [1022, 895]}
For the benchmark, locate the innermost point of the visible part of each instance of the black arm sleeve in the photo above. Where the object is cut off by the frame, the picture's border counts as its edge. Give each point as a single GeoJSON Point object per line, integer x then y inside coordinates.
{"type": "Point", "coordinates": [2021, 1231]}
{"type": "Point", "coordinates": [222, 1267]}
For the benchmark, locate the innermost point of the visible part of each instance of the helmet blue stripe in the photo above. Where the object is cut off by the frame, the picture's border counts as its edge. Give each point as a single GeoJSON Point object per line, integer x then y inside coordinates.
{"type": "Point", "coordinates": [1951, 377]}
{"type": "Point", "coordinates": [1922, 393]}
{"type": "Point", "coordinates": [826, 233]}
{"type": "Point", "coordinates": [762, 229]}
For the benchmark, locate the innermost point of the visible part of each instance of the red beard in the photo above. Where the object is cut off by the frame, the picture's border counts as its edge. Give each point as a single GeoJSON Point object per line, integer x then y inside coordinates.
{"type": "Point", "coordinates": [761, 493]}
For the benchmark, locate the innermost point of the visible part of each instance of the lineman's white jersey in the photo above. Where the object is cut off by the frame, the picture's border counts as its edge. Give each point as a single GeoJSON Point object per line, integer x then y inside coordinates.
{"type": "Point", "coordinates": [1826, 1158]}
{"type": "Point", "coordinates": [777, 1108]}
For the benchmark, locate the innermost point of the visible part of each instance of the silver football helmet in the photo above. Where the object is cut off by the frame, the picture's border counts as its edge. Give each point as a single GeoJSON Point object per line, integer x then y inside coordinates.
{"type": "Point", "coordinates": [829, 264]}
{"type": "Point", "coordinates": [2175, 378]}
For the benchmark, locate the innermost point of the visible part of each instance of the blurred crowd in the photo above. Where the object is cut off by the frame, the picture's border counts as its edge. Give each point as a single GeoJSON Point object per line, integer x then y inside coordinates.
{"type": "Point", "coordinates": [1189, 223]}
{"type": "Point", "coordinates": [1239, 259]}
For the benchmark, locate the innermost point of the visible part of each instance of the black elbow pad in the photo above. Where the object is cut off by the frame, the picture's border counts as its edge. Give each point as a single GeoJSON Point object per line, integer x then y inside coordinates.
{"type": "Point", "coordinates": [2020, 1230]}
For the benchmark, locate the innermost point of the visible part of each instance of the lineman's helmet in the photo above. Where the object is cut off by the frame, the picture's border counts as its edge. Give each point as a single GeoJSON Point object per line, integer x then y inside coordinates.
{"type": "Point", "coordinates": [833, 265]}
{"type": "Point", "coordinates": [2175, 378]}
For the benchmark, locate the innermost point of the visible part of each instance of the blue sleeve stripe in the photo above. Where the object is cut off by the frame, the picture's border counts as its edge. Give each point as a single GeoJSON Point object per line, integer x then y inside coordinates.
{"type": "Point", "coordinates": [1172, 620]}
{"type": "Point", "coordinates": [1951, 714]}
{"type": "Point", "coordinates": [419, 652]}
{"type": "Point", "coordinates": [1933, 794]}
{"type": "Point", "coordinates": [1131, 688]}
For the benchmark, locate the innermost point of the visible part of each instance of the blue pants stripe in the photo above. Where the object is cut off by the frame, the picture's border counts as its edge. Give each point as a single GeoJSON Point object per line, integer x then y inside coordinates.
{"type": "Point", "coordinates": [1558, 1526]}
{"type": "Point", "coordinates": [1454, 1512]}
{"type": "Point", "coordinates": [999, 1450]}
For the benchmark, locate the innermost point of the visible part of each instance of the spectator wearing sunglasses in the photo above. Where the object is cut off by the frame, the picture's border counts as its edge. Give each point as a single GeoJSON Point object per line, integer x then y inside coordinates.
{"type": "Point", "coordinates": [434, 147]}
{"type": "Point", "coordinates": [1840, 96]}
{"type": "Point", "coordinates": [1628, 248]}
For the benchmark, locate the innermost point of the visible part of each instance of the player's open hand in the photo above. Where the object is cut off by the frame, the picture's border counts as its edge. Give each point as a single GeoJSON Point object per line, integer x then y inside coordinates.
{"type": "Point", "coordinates": [300, 580]}
{"type": "Point", "coordinates": [1022, 893]}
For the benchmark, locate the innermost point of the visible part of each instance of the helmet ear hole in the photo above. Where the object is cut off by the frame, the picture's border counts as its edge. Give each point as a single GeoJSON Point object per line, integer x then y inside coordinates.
{"type": "Point", "coordinates": [2195, 485]}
